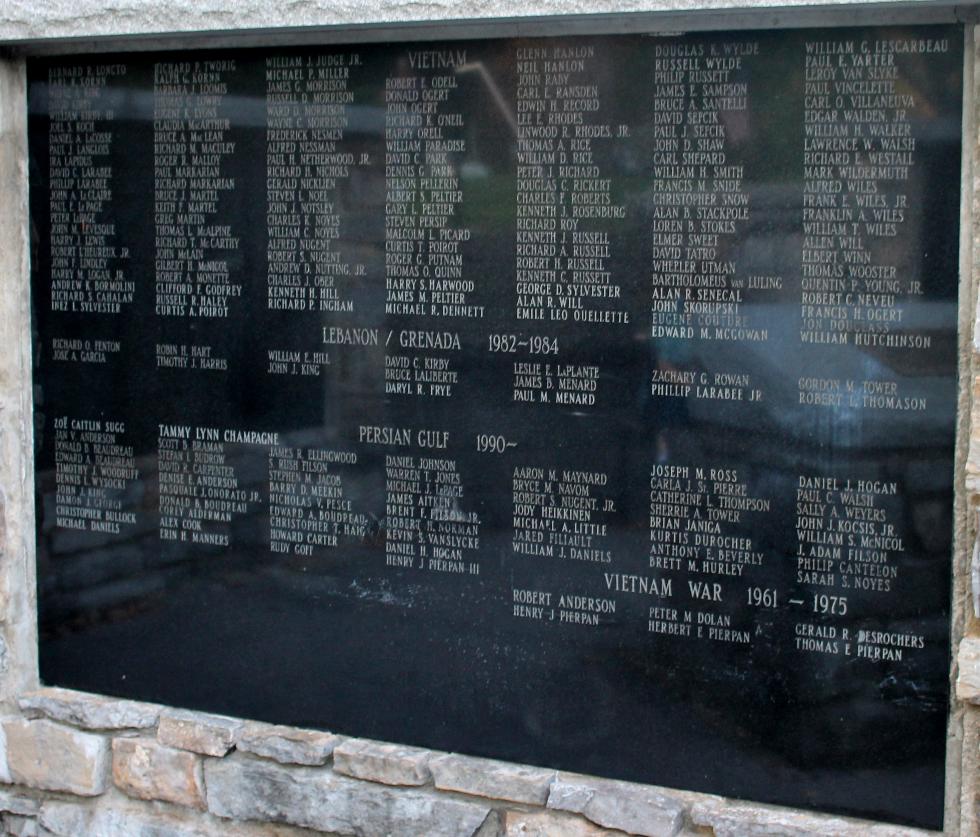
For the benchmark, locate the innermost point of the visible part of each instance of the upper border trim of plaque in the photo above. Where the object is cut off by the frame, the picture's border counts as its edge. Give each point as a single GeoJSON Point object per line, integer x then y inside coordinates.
{"type": "Point", "coordinates": [663, 22]}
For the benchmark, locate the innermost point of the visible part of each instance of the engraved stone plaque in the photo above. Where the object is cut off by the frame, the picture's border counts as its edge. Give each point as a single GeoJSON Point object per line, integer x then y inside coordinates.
{"type": "Point", "coordinates": [585, 402]}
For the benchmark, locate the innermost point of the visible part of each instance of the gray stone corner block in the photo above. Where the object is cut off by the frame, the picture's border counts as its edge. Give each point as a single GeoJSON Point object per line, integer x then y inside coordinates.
{"type": "Point", "coordinates": [5, 659]}
{"type": "Point", "coordinates": [493, 779]}
{"type": "Point", "coordinates": [287, 745]}
{"type": "Point", "coordinates": [968, 674]}
{"type": "Point", "coordinates": [4, 758]}
{"type": "Point", "coordinates": [637, 809]}
{"type": "Point", "coordinates": [746, 819]}
{"type": "Point", "coordinates": [209, 735]}
{"type": "Point", "coordinates": [145, 769]}
{"type": "Point", "coordinates": [18, 803]}
{"type": "Point", "coordinates": [243, 788]}
{"type": "Point", "coordinates": [88, 711]}
{"type": "Point", "coordinates": [45, 755]}
{"type": "Point", "coordinates": [18, 826]}
{"type": "Point", "coordinates": [375, 761]}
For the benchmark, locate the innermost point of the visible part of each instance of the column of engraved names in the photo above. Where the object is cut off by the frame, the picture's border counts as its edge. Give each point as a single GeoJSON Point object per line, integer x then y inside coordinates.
{"type": "Point", "coordinates": [427, 527]}
{"type": "Point", "coordinates": [849, 552]}
{"type": "Point", "coordinates": [700, 207]}
{"type": "Point", "coordinates": [87, 266]}
{"type": "Point", "coordinates": [553, 383]}
{"type": "Point", "coordinates": [201, 494]}
{"type": "Point", "coordinates": [423, 367]}
{"type": "Point", "coordinates": [859, 153]}
{"type": "Point", "coordinates": [564, 515]}
{"type": "Point", "coordinates": [424, 237]}
{"type": "Point", "coordinates": [308, 100]}
{"type": "Point", "coordinates": [94, 471]}
{"type": "Point", "coordinates": [566, 209]}
{"type": "Point", "coordinates": [190, 150]}
{"type": "Point", "coordinates": [308, 505]}
{"type": "Point", "coordinates": [702, 521]}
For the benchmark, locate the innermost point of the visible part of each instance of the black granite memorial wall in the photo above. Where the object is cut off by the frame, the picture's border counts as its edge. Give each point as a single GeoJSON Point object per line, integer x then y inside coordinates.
{"type": "Point", "coordinates": [582, 402]}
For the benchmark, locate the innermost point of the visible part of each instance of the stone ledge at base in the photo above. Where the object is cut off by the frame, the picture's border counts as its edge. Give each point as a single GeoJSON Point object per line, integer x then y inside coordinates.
{"type": "Point", "coordinates": [287, 745]}
{"type": "Point", "coordinates": [492, 779]}
{"type": "Point", "coordinates": [637, 809]}
{"type": "Point", "coordinates": [375, 761]}
{"type": "Point", "coordinates": [88, 711]}
{"type": "Point", "coordinates": [209, 735]}
{"type": "Point", "coordinates": [744, 819]}
{"type": "Point", "coordinates": [186, 779]}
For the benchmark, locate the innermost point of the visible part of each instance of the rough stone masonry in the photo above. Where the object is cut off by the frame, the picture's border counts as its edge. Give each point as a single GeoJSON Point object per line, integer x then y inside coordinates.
{"type": "Point", "coordinates": [78, 764]}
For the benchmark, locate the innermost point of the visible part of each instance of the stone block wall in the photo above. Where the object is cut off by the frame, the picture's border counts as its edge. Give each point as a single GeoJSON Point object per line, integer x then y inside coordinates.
{"type": "Point", "coordinates": [77, 765]}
